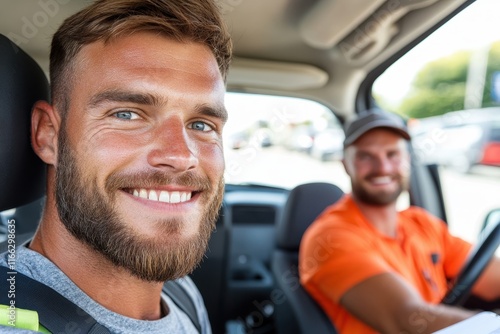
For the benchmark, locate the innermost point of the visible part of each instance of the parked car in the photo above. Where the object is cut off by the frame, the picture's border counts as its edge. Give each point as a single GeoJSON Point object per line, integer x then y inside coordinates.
{"type": "Point", "coordinates": [460, 140]}
{"type": "Point", "coordinates": [328, 145]}
{"type": "Point", "coordinates": [238, 140]}
{"type": "Point", "coordinates": [300, 139]}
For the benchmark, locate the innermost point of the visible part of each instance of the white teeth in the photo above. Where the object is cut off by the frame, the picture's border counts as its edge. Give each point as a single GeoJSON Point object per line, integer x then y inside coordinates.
{"type": "Point", "coordinates": [163, 196]}
{"type": "Point", "coordinates": [175, 197]}
{"type": "Point", "coordinates": [381, 180]}
{"type": "Point", "coordinates": [153, 196]}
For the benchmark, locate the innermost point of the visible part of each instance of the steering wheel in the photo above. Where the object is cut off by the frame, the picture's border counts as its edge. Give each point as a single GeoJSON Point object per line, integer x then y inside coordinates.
{"type": "Point", "coordinates": [480, 256]}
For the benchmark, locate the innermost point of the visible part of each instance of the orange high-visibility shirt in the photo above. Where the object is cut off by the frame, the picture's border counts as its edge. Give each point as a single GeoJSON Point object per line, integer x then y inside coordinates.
{"type": "Point", "coordinates": [341, 249]}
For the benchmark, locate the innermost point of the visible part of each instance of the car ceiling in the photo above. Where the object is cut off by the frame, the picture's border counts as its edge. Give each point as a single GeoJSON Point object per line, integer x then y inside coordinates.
{"type": "Point", "coordinates": [318, 49]}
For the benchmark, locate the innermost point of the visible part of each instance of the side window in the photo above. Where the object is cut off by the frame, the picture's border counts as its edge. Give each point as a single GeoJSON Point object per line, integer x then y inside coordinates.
{"type": "Point", "coordinates": [448, 87]}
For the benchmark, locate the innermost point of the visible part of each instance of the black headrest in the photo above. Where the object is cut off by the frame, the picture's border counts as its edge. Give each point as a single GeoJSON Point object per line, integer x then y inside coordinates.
{"type": "Point", "coordinates": [305, 203]}
{"type": "Point", "coordinates": [22, 83]}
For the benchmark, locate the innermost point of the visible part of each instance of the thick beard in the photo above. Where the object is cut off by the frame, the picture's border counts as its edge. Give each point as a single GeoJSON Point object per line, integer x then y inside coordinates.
{"type": "Point", "coordinates": [91, 218]}
{"type": "Point", "coordinates": [380, 199]}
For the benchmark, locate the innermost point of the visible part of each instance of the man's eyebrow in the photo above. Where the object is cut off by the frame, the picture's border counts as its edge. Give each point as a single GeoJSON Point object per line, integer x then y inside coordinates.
{"type": "Point", "coordinates": [124, 96]}
{"type": "Point", "coordinates": [363, 152]}
{"type": "Point", "coordinates": [218, 112]}
{"type": "Point", "coordinates": [153, 100]}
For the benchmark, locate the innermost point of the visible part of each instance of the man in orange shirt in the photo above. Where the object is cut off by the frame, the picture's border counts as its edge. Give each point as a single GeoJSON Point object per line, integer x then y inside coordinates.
{"type": "Point", "coordinates": [372, 268]}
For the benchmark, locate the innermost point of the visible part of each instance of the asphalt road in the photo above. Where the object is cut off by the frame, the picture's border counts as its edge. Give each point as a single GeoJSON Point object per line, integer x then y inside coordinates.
{"type": "Point", "coordinates": [469, 198]}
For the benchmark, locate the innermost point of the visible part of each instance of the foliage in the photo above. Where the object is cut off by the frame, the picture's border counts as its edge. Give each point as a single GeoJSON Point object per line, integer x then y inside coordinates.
{"type": "Point", "coordinates": [433, 102]}
{"type": "Point", "coordinates": [440, 86]}
{"type": "Point", "coordinates": [493, 66]}
{"type": "Point", "coordinates": [449, 70]}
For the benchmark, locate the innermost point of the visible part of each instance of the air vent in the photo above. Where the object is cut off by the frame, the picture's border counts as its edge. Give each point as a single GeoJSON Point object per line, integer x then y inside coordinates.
{"type": "Point", "coordinates": [254, 214]}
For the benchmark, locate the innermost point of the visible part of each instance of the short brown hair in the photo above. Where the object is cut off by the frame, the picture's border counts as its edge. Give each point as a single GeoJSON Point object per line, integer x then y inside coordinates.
{"type": "Point", "coordinates": [183, 20]}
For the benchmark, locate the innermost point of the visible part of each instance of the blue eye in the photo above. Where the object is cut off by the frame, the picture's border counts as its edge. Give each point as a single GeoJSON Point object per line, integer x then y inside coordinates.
{"type": "Point", "coordinates": [125, 114]}
{"type": "Point", "coordinates": [201, 126]}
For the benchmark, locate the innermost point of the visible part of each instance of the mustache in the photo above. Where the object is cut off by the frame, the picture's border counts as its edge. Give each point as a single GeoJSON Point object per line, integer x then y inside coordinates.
{"type": "Point", "coordinates": [154, 179]}
{"type": "Point", "coordinates": [393, 175]}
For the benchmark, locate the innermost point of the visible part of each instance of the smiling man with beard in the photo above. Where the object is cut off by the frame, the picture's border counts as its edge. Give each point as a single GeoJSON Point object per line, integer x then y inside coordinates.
{"type": "Point", "coordinates": [133, 143]}
{"type": "Point", "coordinates": [372, 268]}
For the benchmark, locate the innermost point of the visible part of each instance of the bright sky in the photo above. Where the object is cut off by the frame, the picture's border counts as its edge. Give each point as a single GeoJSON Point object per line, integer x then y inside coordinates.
{"type": "Point", "coordinates": [475, 27]}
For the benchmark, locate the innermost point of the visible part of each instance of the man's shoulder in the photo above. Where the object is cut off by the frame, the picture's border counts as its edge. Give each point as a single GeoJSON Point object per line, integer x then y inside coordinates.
{"type": "Point", "coordinates": [343, 213]}
{"type": "Point", "coordinates": [420, 217]}
{"type": "Point", "coordinates": [417, 221]}
{"type": "Point", "coordinates": [340, 223]}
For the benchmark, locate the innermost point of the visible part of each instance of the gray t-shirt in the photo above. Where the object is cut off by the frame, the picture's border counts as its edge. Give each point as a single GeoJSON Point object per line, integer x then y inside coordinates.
{"type": "Point", "coordinates": [38, 267]}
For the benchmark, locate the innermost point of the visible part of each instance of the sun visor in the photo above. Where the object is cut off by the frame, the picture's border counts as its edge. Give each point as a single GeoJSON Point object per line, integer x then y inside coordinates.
{"type": "Point", "coordinates": [275, 75]}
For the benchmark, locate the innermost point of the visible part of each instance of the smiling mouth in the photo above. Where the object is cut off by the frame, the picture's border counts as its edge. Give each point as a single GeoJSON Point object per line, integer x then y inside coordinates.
{"type": "Point", "coordinates": [381, 180]}
{"type": "Point", "coordinates": [163, 196]}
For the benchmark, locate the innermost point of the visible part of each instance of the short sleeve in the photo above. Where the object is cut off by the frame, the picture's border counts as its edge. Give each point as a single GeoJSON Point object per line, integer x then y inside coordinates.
{"type": "Point", "coordinates": [334, 260]}
{"type": "Point", "coordinates": [455, 250]}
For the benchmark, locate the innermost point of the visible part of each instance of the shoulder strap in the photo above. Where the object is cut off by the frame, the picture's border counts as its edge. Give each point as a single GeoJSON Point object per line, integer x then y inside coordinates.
{"type": "Point", "coordinates": [56, 313]}
{"type": "Point", "coordinates": [182, 299]}
{"type": "Point", "coordinates": [172, 288]}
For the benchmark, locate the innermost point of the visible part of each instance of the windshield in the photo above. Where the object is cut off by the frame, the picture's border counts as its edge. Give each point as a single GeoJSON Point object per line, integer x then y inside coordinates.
{"type": "Point", "coordinates": [281, 141]}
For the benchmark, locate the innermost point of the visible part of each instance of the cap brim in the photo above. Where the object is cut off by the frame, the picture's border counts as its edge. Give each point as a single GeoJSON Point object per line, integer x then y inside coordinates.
{"type": "Point", "coordinates": [374, 125]}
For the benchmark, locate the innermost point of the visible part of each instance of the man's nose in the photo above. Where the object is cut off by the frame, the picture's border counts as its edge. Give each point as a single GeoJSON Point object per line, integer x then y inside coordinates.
{"type": "Point", "coordinates": [383, 165]}
{"type": "Point", "coordinates": [172, 147]}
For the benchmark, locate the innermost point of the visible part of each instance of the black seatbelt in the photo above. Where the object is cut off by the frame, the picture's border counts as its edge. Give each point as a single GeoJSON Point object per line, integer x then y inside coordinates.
{"type": "Point", "coordinates": [48, 299]}
{"type": "Point", "coordinates": [181, 298]}
{"type": "Point", "coordinates": [55, 312]}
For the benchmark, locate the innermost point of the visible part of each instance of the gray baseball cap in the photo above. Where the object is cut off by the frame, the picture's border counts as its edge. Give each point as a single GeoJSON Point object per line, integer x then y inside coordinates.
{"type": "Point", "coordinates": [370, 119]}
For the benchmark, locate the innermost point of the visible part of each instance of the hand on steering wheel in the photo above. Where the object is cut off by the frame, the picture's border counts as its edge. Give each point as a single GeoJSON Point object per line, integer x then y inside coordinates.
{"type": "Point", "coordinates": [479, 258]}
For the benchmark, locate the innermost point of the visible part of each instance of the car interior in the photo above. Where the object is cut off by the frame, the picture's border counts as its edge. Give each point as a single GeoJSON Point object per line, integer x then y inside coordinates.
{"type": "Point", "coordinates": [329, 52]}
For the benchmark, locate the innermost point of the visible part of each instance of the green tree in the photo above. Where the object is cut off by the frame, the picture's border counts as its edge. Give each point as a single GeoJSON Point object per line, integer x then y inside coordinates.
{"type": "Point", "coordinates": [434, 102]}
{"type": "Point", "coordinates": [449, 70]}
{"type": "Point", "coordinates": [438, 88]}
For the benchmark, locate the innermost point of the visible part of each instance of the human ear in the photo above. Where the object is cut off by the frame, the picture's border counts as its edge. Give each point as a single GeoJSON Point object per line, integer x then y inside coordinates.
{"type": "Point", "coordinates": [344, 163]}
{"type": "Point", "coordinates": [45, 123]}
{"type": "Point", "coordinates": [347, 160]}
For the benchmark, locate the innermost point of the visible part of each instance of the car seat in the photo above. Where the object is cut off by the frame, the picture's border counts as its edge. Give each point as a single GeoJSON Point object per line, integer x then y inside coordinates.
{"type": "Point", "coordinates": [22, 176]}
{"type": "Point", "coordinates": [299, 313]}
{"type": "Point", "coordinates": [212, 275]}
